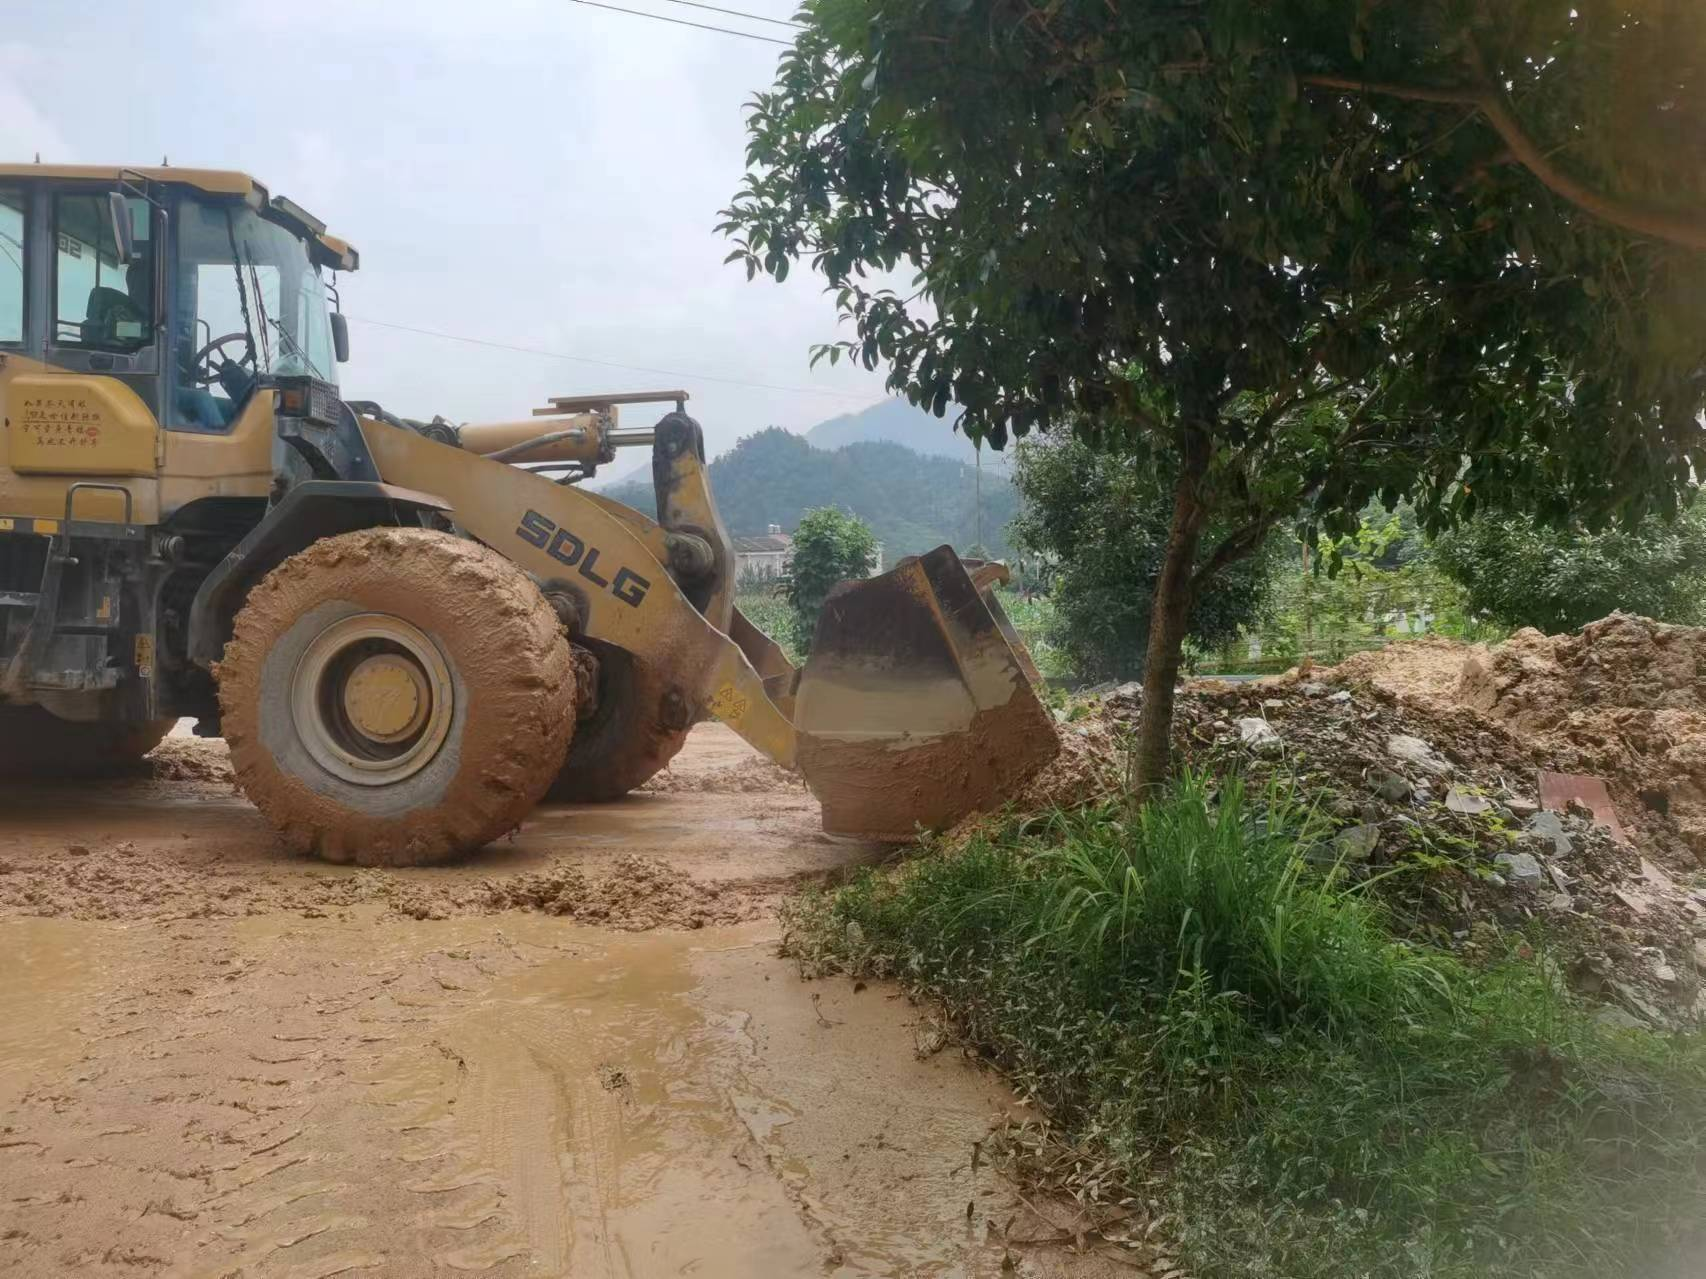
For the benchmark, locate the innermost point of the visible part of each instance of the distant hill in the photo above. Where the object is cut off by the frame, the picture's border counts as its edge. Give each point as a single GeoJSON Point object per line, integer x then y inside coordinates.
{"type": "Point", "coordinates": [897, 422]}
{"type": "Point", "coordinates": [911, 501]}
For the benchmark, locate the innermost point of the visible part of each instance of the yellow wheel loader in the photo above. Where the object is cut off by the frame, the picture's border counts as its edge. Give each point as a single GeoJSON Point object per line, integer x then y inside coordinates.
{"type": "Point", "coordinates": [409, 632]}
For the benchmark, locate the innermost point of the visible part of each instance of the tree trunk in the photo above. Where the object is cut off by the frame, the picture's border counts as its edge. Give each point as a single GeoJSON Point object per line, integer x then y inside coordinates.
{"type": "Point", "coordinates": [1169, 619]}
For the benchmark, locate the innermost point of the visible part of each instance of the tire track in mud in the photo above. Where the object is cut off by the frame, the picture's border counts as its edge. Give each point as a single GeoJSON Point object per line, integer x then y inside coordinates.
{"type": "Point", "coordinates": [258, 1067]}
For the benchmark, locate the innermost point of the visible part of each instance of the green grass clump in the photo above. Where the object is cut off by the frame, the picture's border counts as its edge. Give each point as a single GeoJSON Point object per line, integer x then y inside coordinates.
{"type": "Point", "coordinates": [1183, 992]}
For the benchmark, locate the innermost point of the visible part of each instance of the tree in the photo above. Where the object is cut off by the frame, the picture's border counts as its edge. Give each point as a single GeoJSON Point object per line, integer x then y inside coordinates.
{"type": "Point", "coordinates": [1297, 253]}
{"type": "Point", "coordinates": [1099, 525]}
{"type": "Point", "coordinates": [830, 546]}
{"type": "Point", "coordinates": [1347, 592]}
{"type": "Point", "coordinates": [1559, 579]}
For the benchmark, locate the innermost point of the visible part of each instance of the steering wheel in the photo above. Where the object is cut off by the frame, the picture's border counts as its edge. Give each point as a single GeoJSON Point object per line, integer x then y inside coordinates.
{"type": "Point", "coordinates": [203, 369]}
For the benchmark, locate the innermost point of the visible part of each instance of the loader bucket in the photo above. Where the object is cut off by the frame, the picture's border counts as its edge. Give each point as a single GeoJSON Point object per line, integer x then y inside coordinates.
{"type": "Point", "coordinates": [917, 705]}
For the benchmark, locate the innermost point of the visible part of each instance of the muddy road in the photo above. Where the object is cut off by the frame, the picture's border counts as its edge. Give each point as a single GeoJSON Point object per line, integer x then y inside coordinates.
{"type": "Point", "coordinates": [576, 1054]}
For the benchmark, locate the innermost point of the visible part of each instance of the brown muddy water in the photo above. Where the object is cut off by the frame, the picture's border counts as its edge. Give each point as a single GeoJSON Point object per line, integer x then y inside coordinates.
{"type": "Point", "coordinates": [248, 1073]}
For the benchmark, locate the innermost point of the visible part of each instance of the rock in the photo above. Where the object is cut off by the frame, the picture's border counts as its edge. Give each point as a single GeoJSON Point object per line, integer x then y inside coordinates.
{"type": "Point", "coordinates": [1658, 963]}
{"type": "Point", "coordinates": [1497, 880]}
{"type": "Point", "coordinates": [1637, 1003]}
{"type": "Point", "coordinates": [1522, 807]}
{"type": "Point", "coordinates": [1423, 795]}
{"type": "Point", "coordinates": [1357, 844]}
{"type": "Point", "coordinates": [1259, 736]}
{"type": "Point", "coordinates": [1634, 901]}
{"type": "Point", "coordinates": [1560, 880]}
{"type": "Point", "coordinates": [1617, 1019]}
{"type": "Point", "coordinates": [1413, 750]}
{"type": "Point", "coordinates": [1548, 827]}
{"type": "Point", "coordinates": [1273, 704]}
{"type": "Point", "coordinates": [1312, 689]}
{"type": "Point", "coordinates": [1392, 788]}
{"type": "Point", "coordinates": [1521, 869]}
{"type": "Point", "coordinates": [1700, 954]}
{"type": "Point", "coordinates": [1462, 801]}
{"type": "Point", "coordinates": [1561, 903]}
{"type": "Point", "coordinates": [1342, 696]}
{"type": "Point", "coordinates": [1656, 877]}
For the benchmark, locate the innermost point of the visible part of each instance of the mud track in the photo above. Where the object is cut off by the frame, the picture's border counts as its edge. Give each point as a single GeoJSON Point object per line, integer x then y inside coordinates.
{"type": "Point", "coordinates": [575, 1054]}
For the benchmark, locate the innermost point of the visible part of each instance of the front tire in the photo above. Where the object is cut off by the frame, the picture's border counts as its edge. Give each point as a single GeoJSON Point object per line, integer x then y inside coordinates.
{"type": "Point", "coordinates": [396, 697]}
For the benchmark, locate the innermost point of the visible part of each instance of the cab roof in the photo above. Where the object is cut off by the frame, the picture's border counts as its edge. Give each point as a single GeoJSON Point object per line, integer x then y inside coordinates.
{"type": "Point", "coordinates": [332, 251]}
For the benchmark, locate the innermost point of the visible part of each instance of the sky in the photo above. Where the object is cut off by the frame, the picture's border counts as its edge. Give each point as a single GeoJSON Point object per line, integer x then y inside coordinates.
{"type": "Point", "coordinates": [536, 173]}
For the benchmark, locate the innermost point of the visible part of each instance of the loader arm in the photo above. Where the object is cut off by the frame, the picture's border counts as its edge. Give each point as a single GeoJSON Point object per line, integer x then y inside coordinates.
{"type": "Point", "coordinates": [606, 562]}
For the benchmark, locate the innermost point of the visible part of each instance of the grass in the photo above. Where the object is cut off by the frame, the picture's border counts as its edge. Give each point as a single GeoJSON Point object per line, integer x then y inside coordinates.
{"type": "Point", "coordinates": [1190, 999]}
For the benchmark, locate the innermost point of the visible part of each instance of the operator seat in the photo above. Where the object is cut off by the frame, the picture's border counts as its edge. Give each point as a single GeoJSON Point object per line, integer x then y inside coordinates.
{"type": "Point", "coordinates": [108, 308]}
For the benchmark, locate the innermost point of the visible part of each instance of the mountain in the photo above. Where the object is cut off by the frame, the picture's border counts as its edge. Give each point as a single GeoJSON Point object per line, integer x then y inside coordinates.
{"type": "Point", "coordinates": [912, 501]}
{"type": "Point", "coordinates": [894, 422]}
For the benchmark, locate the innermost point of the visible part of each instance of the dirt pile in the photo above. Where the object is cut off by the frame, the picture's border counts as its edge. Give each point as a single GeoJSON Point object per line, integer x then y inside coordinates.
{"type": "Point", "coordinates": [190, 759]}
{"type": "Point", "coordinates": [1625, 698]}
{"type": "Point", "coordinates": [755, 776]}
{"type": "Point", "coordinates": [643, 893]}
{"type": "Point", "coordinates": [128, 880]}
{"type": "Point", "coordinates": [1426, 759]}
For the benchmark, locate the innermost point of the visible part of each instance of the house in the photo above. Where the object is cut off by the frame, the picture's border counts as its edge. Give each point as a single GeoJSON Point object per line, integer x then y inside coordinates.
{"type": "Point", "coordinates": [768, 557]}
{"type": "Point", "coordinates": [763, 557]}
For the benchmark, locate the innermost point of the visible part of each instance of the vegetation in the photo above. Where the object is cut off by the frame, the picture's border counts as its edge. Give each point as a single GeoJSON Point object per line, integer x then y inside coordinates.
{"type": "Point", "coordinates": [766, 608]}
{"type": "Point", "coordinates": [1096, 525]}
{"type": "Point", "coordinates": [830, 546]}
{"type": "Point", "coordinates": [1359, 591]}
{"type": "Point", "coordinates": [913, 502]}
{"type": "Point", "coordinates": [1298, 255]}
{"type": "Point", "coordinates": [1560, 579]}
{"type": "Point", "coordinates": [1186, 996]}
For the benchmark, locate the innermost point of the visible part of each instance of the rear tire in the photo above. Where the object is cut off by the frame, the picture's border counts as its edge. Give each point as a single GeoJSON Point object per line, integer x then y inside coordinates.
{"type": "Point", "coordinates": [396, 697]}
{"type": "Point", "coordinates": [624, 742]}
{"type": "Point", "coordinates": [37, 744]}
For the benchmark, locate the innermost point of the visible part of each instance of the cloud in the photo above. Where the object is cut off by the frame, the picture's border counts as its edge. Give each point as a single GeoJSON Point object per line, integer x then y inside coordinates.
{"type": "Point", "coordinates": [25, 131]}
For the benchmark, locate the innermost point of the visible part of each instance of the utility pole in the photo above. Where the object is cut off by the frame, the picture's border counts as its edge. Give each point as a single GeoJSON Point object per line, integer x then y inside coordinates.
{"type": "Point", "coordinates": [977, 498]}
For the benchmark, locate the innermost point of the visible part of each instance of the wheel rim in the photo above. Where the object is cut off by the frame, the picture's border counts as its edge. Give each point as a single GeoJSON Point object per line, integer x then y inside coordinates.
{"type": "Point", "coordinates": [372, 699]}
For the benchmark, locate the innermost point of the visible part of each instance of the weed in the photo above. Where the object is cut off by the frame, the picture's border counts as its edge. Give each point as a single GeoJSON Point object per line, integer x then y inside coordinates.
{"type": "Point", "coordinates": [1185, 995]}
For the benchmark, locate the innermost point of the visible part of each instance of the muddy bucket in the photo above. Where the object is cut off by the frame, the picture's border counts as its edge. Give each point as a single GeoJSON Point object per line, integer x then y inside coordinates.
{"type": "Point", "coordinates": [917, 705]}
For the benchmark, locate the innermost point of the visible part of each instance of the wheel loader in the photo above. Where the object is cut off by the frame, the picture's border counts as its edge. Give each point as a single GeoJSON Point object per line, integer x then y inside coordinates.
{"type": "Point", "coordinates": [410, 632]}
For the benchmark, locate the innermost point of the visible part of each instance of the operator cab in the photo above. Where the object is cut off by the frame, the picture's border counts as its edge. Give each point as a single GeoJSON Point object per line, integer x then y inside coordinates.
{"type": "Point", "coordinates": [193, 287]}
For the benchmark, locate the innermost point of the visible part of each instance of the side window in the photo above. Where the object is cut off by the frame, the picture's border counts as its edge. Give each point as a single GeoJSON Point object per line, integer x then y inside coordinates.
{"type": "Point", "coordinates": [11, 266]}
{"type": "Point", "coordinates": [98, 303]}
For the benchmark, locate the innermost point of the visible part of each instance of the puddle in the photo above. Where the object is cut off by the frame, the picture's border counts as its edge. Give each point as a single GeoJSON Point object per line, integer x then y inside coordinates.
{"type": "Point", "coordinates": [597, 1095]}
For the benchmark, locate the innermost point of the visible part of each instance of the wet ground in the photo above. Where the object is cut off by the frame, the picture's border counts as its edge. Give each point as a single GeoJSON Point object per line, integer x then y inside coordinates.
{"type": "Point", "coordinates": [577, 1054]}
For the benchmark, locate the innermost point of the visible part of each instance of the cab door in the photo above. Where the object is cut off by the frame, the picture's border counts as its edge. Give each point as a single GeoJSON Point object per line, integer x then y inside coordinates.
{"type": "Point", "coordinates": [91, 407]}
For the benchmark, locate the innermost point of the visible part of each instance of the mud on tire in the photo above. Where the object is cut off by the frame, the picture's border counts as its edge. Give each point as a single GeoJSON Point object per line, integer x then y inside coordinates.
{"type": "Point", "coordinates": [37, 744]}
{"type": "Point", "coordinates": [623, 743]}
{"type": "Point", "coordinates": [436, 630]}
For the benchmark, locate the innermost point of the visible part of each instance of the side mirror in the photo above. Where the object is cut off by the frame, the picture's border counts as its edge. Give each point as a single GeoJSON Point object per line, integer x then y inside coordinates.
{"type": "Point", "coordinates": [124, 234]}
{"type": "Point", "coordinates": [340, 337]}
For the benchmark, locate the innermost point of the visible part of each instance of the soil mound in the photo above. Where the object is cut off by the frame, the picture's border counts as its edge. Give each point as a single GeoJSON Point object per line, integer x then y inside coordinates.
{"type": "Point", "coordinates": [1426, 756]}
{"type": "Point", "coordinates": [643, 893]}
{"type": "Point", "coordinates": [1624, 699]}
{"type": "Point", "coordinates": [191, 759]}
{"type": "Point", "coordinates": [749, 777]}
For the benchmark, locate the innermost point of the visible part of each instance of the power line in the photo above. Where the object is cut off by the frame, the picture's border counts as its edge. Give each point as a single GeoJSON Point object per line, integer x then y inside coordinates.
{"type": "Point", "coordinates": [608, 364]}
{"type": "Point", "coordinates": [736, 13]}
{"type": "Point", "coordinates": [682, 22]}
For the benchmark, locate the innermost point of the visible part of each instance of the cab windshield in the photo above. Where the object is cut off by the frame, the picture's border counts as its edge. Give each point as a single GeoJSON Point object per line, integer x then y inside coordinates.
{"type": "Point", "coordinates": [250, 303]}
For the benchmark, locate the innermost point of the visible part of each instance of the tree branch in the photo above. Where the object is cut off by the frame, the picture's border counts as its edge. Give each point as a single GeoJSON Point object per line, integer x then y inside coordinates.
{"type": "Point", "coordinates": [1688, 232]}
{"type": "Point", "coordinates": [1235, 546]}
